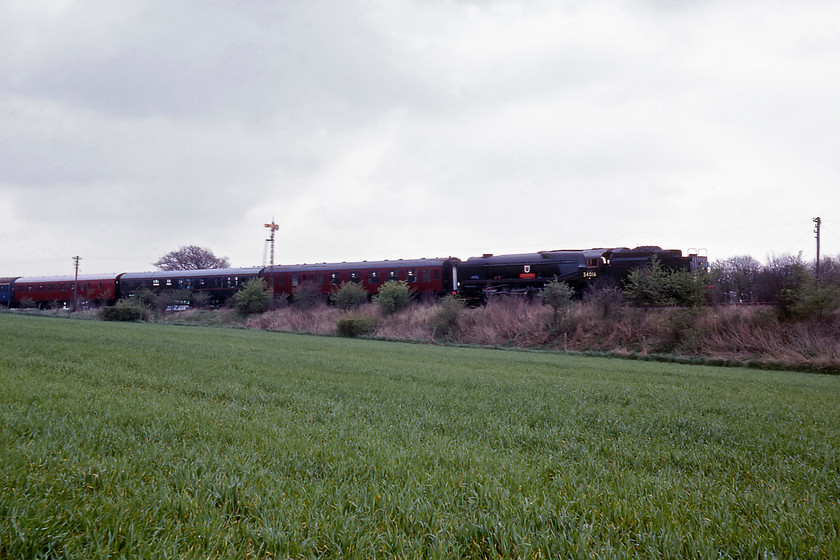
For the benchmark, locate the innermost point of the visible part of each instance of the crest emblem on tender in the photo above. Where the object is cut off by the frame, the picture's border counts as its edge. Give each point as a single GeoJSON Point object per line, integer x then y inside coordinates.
{"type": "Point", "coordinates": [527, 268]}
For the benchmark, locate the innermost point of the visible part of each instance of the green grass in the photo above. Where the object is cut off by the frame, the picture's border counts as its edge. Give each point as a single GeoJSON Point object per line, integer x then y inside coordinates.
{"type": "Point", "coordinates": [134, 440]}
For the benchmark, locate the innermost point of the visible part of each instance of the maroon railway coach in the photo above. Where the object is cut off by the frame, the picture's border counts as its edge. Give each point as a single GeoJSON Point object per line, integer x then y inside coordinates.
{"type": "Point", "coordinates": [46, 291]}
{"type": "Point", "coordinates": [427, 277]}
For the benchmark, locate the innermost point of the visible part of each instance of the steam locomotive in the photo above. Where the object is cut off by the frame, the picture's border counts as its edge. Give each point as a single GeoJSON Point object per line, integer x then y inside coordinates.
{"type": "Point", "coordinates": [474, 280]}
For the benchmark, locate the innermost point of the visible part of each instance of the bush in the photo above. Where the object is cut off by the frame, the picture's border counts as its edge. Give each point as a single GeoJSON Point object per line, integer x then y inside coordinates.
{"type": "Point", "coordinates": [444, 321]}
{"type": "Point", "coordinates": [557, 295]}
{"type": "Point", "coordinates": [125, 310]}
{"type": "Point", "coordinates": [656, 286]}
{"type": "Point", "coordinates": [27, 303]}
{"type": "Point", "coordinates": [199, 300]}
{"type": "Point", "coordinates": [160, 301]}
{"type": "Point", "coordinates": [606, 301]}
{"type": "Point", "coordinates": [356, 325]}
{"type": "Point", "coordinates": [349, 295]}
{"type": "Point", "coordinates": [307, 296]}
{"type": "Point", "coordinates": [393, 296]}
{"type": "Point", "coordinates": [252, 298]}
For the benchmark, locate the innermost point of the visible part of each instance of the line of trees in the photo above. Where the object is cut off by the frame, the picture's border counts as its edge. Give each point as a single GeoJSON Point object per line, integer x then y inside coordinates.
{"type": "Point", "coordinates": [788, 283]}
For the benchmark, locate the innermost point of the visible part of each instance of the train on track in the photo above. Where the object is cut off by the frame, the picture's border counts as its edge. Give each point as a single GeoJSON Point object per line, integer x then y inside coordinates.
{"type": "Point", "coordinates": [474, 280]}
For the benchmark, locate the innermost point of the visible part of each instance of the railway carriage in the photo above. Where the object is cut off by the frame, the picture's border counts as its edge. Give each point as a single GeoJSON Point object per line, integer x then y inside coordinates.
{"type": "Point", "coordinates": [216, 285]}
{"type": "Point", "coordinates": [46, 291]}
{"type": "Point", "coordinates": [6, 290]}
{"type": "Point", "coordinates": [432, 277]}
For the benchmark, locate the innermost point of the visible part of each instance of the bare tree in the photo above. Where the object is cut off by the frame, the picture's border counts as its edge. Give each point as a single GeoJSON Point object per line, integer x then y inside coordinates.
{"type": "Point", "coordinates": [737, 279]}
{"type": "Point", "coordinates": [191, 257]}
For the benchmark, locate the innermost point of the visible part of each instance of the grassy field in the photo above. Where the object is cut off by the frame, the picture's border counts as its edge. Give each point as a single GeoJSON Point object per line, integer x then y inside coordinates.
{"type": "Point", "coordinates": [135, 440]}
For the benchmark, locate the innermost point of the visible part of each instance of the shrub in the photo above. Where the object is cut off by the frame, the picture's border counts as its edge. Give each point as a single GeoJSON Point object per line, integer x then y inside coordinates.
{"type": "Point", "coordinates": [252, 298]}
{"type": "Point", "coordinates": [175, 299]}
{"type": "Point", "coordinates": [356, 325]}
{"type": "Point", "coordinates": [27, 303]}
{"type": "Point", "coordinates": [557, 295]}
{"type": "Point", "coordinates": [144, 298]}
{"type": "Point", "coordinates": [444, 321]}
{"type": "Point", "coordinates": [199, 299]}
{"type": "Point", "coordinates": [393, 296]}
{"type": "Point", "coordinates": [656, 286]}
{"type": "Point", "coordinates": [160, 301]}
{"type": "Point", "coordinates": [125, 310]}
{"type": "Point", "coordinates": [307, 296]}
{"type": "Point", "coordinates": [349, 295]}
{"type": "Point", "coordinates": [606, 301]}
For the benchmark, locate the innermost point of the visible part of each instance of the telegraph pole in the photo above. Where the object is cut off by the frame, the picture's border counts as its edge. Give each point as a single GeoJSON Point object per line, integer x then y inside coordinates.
{"type": "Point", "coordinates": [76, 260]}
{"type": "Point", "coordinates": [817, 224]}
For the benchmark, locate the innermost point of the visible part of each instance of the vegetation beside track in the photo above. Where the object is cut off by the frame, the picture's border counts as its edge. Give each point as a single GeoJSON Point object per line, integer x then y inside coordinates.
{"type": "Point", "coordinates": [140, 440]}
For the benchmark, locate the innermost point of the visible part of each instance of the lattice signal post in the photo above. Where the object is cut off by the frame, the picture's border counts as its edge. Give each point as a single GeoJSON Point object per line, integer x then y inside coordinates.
{"type": "Point", "coordinates": [272, 228]}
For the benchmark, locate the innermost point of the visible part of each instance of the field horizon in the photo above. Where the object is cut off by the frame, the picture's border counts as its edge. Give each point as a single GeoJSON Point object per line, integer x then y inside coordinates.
{"type": "Point", "coordinates": [147, 440]}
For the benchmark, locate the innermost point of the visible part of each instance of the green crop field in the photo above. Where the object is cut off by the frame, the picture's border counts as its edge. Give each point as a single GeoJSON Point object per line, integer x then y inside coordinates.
{"type": "Point", "coordinates": [136, 440]}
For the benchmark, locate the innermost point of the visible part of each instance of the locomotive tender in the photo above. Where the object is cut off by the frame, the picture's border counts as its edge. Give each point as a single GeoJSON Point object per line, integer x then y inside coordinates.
{"type": "Point", "coordinates": [473, 280]}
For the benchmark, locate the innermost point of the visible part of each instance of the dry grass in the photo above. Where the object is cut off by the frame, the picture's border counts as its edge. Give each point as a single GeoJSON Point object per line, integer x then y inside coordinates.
{"type": "Point", "coordinates": [320, 319]}
{"type": "Point", "coordinates": [726, 334]}
{"type": "Point", "coordinates": [507, 322]}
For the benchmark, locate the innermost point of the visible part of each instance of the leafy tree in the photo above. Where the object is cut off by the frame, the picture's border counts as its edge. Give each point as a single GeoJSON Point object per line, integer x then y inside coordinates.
{"type": "Point", "coordinates": [781, 282]}
{"type": "Point", "coordinates": [654, 286]}
{"type": "Point", "coordinates": [191, 257]}
{"type": "Point", "coordinates": [349, 295]}
{"type": "Point", "coordinates": [687, 288]}
{"type": "Point", "coordinates": [393, 296]}
{"type": "Point", "coordinates": [253, 297]}
{"type": "Point", "coordinates": [819, 295]}
{"type": "Point", "coordinates": [648, 286]}
{"type": "Point", "coordinates": [558, 295]}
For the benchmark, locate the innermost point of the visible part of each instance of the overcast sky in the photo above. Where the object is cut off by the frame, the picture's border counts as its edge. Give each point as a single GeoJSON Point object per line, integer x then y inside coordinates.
{"type": "Point", "coordinates": [404, 129]}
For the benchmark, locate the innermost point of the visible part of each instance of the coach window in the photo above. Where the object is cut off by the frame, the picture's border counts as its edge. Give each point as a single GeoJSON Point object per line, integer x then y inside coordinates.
{"type": "Point", "coordinates": [427, 275]}
{"type": "Point", "coordinates": [411, 276]}
{"type": "Point", "coordinates": [373, 277]}
{"type": "Point", "coordinates": [294, 279]}
{"type": "Point", "coordinates": [169, 282]}
{"type": "Point", "coordinates": [335, 278]}
{"type": "Point", "coordinates": [355, 277]}
{"type": "Point", "coordinates": [155, 283]}
{"type": "Point", "coordinates": [393, 275]}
